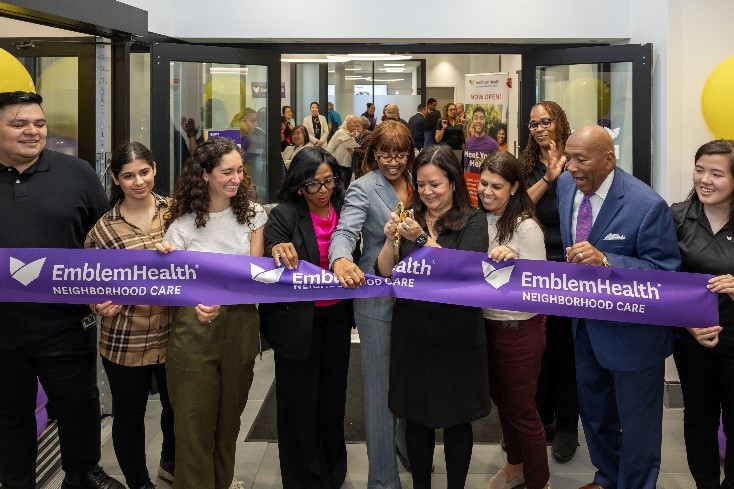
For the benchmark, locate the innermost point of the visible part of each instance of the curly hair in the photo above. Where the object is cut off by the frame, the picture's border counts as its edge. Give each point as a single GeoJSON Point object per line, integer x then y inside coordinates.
{"type": "Point", "coordinates": [531, 153]}
{"type": "Point", "coordinates": [723, 147]}
{"type": "Point", "coordinates": [519, 206]}
{"type": "Point", "coordinates": [192, 191]}
{"type": "Point", "coordinates": [390, 136]}
{"type": "Point", "coordinates": [302, 169]}
{"type": "Point", "coordinates": [125, 153]}
{"type": "Point", "coordinates": [444, 158]}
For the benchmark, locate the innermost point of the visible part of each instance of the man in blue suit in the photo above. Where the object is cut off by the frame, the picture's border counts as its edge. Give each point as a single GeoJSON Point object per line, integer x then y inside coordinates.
{"type": "Point", "coordinates": [610, 218]}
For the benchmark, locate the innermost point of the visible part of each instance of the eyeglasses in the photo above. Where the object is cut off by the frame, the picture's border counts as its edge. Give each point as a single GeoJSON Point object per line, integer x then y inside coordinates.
{"type": "Point", "coordinates": [314, 187]}
{"type": "Point", "coordinates": [386, 158]}
{"type": "Point", "coordinates": [544, 123]}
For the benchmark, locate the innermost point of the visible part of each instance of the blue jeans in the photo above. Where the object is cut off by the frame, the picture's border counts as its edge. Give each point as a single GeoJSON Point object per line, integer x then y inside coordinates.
{"type": "Point", "coordinates": [374, 338]}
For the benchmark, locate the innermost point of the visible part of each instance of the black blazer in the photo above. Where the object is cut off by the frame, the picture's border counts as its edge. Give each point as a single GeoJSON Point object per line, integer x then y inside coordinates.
{"type": "Point", "coordinates": [288, 326]}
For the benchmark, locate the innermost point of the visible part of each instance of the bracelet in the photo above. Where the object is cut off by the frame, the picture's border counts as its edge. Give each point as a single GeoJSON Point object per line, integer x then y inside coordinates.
{"type": "Point", "coordinates": [547, 181]}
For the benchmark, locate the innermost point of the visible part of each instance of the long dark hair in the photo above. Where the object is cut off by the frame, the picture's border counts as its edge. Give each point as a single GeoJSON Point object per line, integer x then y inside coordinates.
{"type": "Point", "coordinates": [531, 153]}
{"type": "Point", "coordinates": [123, 154]}
{"type": "Point", "coordinates": [519, 206]}
{"type": "Point", "coordinates": [192, 191]}
{"type": "Point", "coordinates": [724, 147]}
{"type": "Point", "coordinates": [444, 158]}
{"type": "Point", "coordinates": [390, 136]}
{"type": "Point", "coordinates": [302, 169]}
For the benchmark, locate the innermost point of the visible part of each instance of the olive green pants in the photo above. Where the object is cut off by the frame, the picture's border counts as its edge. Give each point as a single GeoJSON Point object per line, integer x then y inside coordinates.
{"type": "Point", "coordinates": [209, 369]}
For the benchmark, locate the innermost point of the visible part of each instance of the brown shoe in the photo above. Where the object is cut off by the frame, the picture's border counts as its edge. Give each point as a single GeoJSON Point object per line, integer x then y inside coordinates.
{"type": "Point", "coordinates": [591, 485]}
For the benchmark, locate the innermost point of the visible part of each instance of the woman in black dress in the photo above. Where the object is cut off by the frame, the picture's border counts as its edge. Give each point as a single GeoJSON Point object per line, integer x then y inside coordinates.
{"type": "Point", "coordinates": [438, 358]}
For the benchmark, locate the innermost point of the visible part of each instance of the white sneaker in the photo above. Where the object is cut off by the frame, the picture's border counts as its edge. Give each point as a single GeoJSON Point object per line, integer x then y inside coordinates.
{"type": "Point", "coordinates": [237, 484]}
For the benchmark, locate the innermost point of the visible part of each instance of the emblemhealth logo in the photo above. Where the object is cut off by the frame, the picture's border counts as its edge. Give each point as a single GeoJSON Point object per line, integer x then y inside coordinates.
{"type": "Point", "coordinates": [265, 276]}
{"type": "Point", "coordinates": [496, 277]}
{"type": "Point", "coordinates": [26, 273]}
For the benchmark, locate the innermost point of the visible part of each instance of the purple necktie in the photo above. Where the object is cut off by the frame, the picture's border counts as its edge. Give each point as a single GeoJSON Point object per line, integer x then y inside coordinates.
{"type": "Point", "coordinates": [584, 220]}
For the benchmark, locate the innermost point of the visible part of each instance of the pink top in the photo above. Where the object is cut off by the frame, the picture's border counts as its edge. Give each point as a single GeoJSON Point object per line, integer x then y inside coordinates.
{"type": "Point", "coordinates": [323, 228]}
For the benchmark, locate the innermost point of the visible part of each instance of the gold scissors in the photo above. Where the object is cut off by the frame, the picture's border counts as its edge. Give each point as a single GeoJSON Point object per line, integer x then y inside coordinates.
{"type": "Point", "coordinates": [402, 214]}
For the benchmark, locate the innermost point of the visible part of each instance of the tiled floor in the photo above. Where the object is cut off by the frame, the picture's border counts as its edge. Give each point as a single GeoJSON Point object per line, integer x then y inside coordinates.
{"type": "Point", "coordinates": [258, 467]}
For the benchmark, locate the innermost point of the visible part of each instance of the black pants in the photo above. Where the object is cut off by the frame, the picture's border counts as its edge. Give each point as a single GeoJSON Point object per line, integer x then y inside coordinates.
{"type": "Point", "coordinates": [311, 396]}
{"type": "Point", "coordinates": [707, 381]}
{"type": "Point", "coordinates": [130, 387]}
{"type": "Point", "coordinates": [556, 397]}
{"type": "Point", "coordinates": [65, 362]}
{"type": "Point", "coordinates": [457, 447]}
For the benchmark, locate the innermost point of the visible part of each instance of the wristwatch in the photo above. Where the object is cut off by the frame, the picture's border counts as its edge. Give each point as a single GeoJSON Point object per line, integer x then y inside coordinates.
{"type": "Point", "coordinates": [605, 260]}
{"type": "Point", "coordinates": [421, 240]}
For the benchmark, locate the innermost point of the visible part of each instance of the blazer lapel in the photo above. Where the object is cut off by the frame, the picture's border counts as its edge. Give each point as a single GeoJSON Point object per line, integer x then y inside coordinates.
{"type": "Point", "coordinates": [565, 208]}
{"type": "Point", "coordinates": [611, 206]}
{"type": "Point", "coordinates": [305, 226]}
{"type": "Point", "coordinates": [385, 191]}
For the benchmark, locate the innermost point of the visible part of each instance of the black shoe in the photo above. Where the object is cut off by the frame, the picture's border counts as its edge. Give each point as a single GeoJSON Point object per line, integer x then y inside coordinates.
{"type": "Point", "coordinates": [403, 459]}
{"type": "Point", "coordinates": [148, 485]}
{"type": "Point", "coordinates": [97, 478]}
{"type": "Point", "coordinates": [166, 470]}
{"type": "Point", "coordinates": [564, 446]}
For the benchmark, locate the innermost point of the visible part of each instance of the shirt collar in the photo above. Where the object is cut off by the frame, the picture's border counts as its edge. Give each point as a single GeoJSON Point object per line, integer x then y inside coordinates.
{"type": "Point", "coordinates": [115, 213]}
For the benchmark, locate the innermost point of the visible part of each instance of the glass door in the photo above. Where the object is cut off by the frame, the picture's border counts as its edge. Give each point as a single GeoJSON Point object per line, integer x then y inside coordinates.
{"type": "Point", "coordinates": [607, 85]}
{"type": "Point", "coordinates": [199, 92]}
{"type": "Point", "coordinates": [63, 71]}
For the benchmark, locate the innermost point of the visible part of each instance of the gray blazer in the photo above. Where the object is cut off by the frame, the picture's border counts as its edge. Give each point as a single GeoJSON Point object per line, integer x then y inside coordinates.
{"type": "Point", "coordinates": [367, 207]}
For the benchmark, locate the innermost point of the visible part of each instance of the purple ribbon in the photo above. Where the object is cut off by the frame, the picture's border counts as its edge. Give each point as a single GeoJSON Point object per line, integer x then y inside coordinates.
{"type": "Point", "coordinates": [439, 275]}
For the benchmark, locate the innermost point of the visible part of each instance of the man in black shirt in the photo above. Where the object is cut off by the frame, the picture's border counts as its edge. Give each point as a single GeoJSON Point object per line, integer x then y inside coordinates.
{"type": "Point", "coordinates": [416, 125]}
{"type": "Point", "coordinates": [47, 200]}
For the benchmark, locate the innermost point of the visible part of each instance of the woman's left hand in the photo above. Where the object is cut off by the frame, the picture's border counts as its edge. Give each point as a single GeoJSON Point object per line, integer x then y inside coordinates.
{"type": "Point", "coordinates": [708, 337]}
{"type": "Point", "coordinates": [286, 252]}
{"type": "Point", "coordinates": [723, 284]}
{"type": "Point", "coordinates": [410, 229]}
{"type": "Point", "coordinates": [502, 253]}
{"type": "Point", "coordinates": [206, 314]}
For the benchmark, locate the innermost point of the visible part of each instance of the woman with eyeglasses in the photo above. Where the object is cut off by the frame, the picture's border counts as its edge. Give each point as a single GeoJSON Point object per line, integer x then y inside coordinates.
{"type": "Point", "coordinates": [212, 348]}
{"type": "Point", "coordinates": [311, 340]}
{"type": "Point", "coordinates": [438, 352]}
{"type": "Point", "coordinates": [367, 206]}
{"type": "Point", "coordinates": [543, 162]}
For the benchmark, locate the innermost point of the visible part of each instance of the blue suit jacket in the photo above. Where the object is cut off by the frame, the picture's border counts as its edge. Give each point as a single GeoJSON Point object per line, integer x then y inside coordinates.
{"type": "Point", "coordinates": [634, 229]}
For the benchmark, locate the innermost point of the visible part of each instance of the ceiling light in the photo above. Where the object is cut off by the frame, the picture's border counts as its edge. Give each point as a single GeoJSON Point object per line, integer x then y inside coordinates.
{"type": "Point", "coordinates": [393, 64]}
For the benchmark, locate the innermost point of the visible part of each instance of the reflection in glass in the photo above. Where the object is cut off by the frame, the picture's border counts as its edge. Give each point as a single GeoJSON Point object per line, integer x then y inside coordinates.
{"type": "Point", "coordinates": [593, 94]}
{"type": "Point", "coordinates": [225, 100]}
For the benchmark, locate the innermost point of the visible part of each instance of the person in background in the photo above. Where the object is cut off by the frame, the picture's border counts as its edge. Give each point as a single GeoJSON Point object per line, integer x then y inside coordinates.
{"type": "Point", "coordinates": [480, 144]}
{"type": "Point", "coordinates": [287, 112]}
{"type": "Point", "coordinates": [704, 358]}
{"type": "Point", "coordinates": [438, 352]}
{"type": "Point", "coordinates": [311, 340]}
{"type": "Point", "coordinates": [369, 201]}
{"type": "Point", "coordinates": [392, 113]}
{"type": "Point", "coordinates": [515, 340]}
{"type": "Point", "coordinates": [300, 141]}
{"type": "Point", "coordinates": [47, 200]}
{"type": "Point", "coordinates": [432, 120]}
{"type": "Point", "coordinates": [338, 148]}
{"type": "Point", "coordinates": [286, 134]}
{"type": "Point", "coordinates": [316, 126]}
{"type": "Point", "coordinates": [542, 161]}
{"type": "Point", "coordinates": [333, 119]}
{"type": "Point", "coordinates": [616, 362]}
{"type": "Point", "coordinates": [449, 129]}
{"type": "Point", "coordinates": [460, 114]}
{"type": "Point", "coordinates": [370, 115]}
{"type": "Point", "coordinates": [133, 338]}
{"type": "Point", "coordinates": [364, 137]}
{"type": "Point", "coordinates": [212, 348]}
{"type": "Point", "coordinates": [416, 125]}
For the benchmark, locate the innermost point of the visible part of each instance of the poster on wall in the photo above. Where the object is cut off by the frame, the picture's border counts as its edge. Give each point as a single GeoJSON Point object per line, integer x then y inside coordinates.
{"type": "Point", "coordinates": [485, 126]}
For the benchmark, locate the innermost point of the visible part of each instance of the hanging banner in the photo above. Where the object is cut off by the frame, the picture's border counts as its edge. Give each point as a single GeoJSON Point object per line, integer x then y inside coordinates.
{"type": "Point", "coordinates": [486, 109]}
{"type": "Point", "coordinates": [430, 274]}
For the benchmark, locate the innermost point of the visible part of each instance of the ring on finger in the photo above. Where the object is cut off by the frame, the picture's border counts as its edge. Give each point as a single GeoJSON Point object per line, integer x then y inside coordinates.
{"type": "Point", "coordinates": [581, 255]}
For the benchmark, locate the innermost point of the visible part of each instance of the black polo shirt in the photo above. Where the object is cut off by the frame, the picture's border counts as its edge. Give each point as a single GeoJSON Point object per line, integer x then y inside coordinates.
{"type": "Point", "coordinates": [704, 252]}
{"type": "Point", "coordinates": [52, 204]}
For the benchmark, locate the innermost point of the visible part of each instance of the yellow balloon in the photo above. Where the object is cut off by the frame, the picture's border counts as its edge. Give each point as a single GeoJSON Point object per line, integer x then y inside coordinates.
{"type": "Point", "coordinates": [717, 100]}
{"type": "Point", "coordinates": [58, 82]}
{"type": "Point", "coordinates": [586, 100]}
{"type": "Point", "coordinates": [14, 75]}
